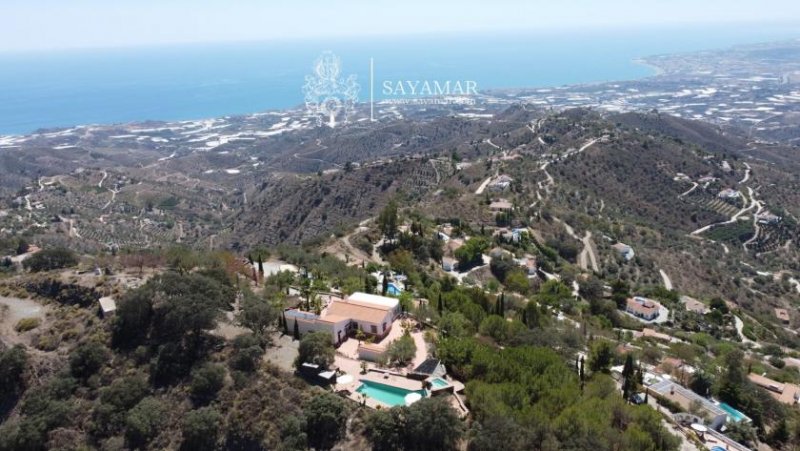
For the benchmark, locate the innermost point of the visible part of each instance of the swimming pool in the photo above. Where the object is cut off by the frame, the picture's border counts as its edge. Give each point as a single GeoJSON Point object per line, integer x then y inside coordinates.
{"type": "Point", "coordinates": [391, 396]}
{"type": "Point", "coordinates": [734, 414]}
{"type": "Point", "coordinates": [393, 289]}
{"type": "Point", "coordinates": [439, 383]}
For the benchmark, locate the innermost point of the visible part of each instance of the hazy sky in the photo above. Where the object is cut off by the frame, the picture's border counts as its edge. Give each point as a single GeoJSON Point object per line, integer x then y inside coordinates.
{"type": "Point", "coordinates": [53, 24]}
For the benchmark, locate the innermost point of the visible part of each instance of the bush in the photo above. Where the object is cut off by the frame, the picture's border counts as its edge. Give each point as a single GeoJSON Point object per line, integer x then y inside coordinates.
{"type": "Point", "coordinates": [207, 380]}
{"type": "Point", "coordinates": [142, 422]}
{"type": "Point", "coordinates": [496, 327]}
{"type": "Point", "coordinates": [402, 350]}
{"type": "Point", "coordinates": [326, 416]}
{"type": "Point", "coordinates": [125, 393]}
{"type": "Point", "coordinates": [12, 368]}
{"type": "Point", "coordinates": [247, 353]}
{"type": "Point", "coordinates": [26, 324]}
{"type": "Point", "coordinates": [87, 359]}
{"type": "Point", "coordinates": [777, 362]}
{"type": "Point", "coordinates": [201, 429]}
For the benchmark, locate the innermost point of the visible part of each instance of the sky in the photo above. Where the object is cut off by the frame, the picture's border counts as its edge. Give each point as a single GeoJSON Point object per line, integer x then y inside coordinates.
{"type": "Point", "coordinates": [57, 24]}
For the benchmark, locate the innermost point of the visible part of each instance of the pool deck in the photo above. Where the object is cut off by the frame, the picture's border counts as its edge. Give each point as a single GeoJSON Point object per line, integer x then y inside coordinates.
{"type": "Point", "coordinates": [392, 380]}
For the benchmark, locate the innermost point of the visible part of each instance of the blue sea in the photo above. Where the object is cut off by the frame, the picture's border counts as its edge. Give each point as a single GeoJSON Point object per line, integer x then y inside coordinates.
{"type": "Point", "coordinates": [180, 82]}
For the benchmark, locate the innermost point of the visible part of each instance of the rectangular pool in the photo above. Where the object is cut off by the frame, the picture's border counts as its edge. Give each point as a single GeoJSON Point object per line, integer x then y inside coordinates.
{"type": "Point", "coordinates": [734, 414]}
{"type": "Point", "coordinates": [439, 383]}
{"type": "Point", "coordinates": [391, 396]}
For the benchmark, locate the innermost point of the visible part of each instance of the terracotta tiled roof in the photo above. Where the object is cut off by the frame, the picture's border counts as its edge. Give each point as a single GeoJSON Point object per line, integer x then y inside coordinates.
{"type": "Point", "coordinates": [357, 312]}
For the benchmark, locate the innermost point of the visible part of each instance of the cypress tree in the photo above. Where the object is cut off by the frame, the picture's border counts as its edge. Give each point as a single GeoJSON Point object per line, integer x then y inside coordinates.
{"type": "Point", "coordinates": [628, 377]}
{"type": "Point", "coordinates": [285, 324]}
{"type": "Point", "coordinates": [385, 284]}
{"type": "Point", "coordinates": [440, 305]}
{"type": "Point", "coordinates": [296, 330]}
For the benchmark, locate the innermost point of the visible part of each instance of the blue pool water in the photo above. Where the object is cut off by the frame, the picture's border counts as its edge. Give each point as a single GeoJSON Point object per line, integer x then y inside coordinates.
{"type": "Point", "coordinates": [391, 396]}
{"type": "Point", "coordinates": [439, 382]}
{"type": "Point", "coordinates": [393, 290]}
{"type": "Point", "coordinates": [734, 414]}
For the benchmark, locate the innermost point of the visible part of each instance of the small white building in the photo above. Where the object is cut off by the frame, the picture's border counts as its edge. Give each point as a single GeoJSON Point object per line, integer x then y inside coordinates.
{"type": "Point", "coordinates": [730, 194]}
{"type": "Point", "coordinates": [500, 183]}
{"type": "Point", "coordinates": [624, 250]}
{"type": "Point", "coordinates": [107, 306]}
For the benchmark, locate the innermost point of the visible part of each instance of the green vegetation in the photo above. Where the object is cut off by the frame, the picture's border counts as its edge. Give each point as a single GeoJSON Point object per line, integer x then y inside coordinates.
{"type": "Point", "coordinates": [315, 348]}
{"type": "Point", "coordinates": [401, 351]}
{"type": "Point", "coordinates": [736, 233]}
{"type": "Point", "coordinates": [427, 424]}
{"type": "Point", "coordinates": [528, 398]}
{"type": "Point", "coordinates": [50, 259]}
{"type": "Point", "coordinates": [326, 417]}
{"type": "Point", "coordinates": [26, 324]}
{"type": "Point", "coordinates": [470, 254]}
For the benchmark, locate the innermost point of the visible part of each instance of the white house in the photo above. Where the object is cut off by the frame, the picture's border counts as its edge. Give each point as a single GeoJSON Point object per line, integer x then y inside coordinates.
{"type": "Point", "coordinates": [370, 313]}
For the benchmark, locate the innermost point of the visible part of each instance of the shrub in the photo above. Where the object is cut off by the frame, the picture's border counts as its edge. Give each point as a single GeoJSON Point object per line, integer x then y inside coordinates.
{"type": "Point", "coordinates": [201, 429]}
{"type": "Point", "coordinates": [26, 324]}
{"type": "Point", "coordinates": [87, 359]}
{"type": "Point", "coordinates": [12, 367]}
{"type": "Point", "coordinates": [402, 350]}
{"type": "Point", "coordinates": [142, 422]}
{"type": "Point", "coordinates": [326, 416]}
{"type": "Point", "coordinates": [207, 380]}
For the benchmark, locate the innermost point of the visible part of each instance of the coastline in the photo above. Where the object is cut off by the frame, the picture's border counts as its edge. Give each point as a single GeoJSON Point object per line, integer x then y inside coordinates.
{"type": "Point", "coordinates": [657, 70]}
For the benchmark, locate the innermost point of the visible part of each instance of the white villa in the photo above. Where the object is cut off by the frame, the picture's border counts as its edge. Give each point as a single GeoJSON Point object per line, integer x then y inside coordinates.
{"type": "Point", "coordinates": [370, 313]}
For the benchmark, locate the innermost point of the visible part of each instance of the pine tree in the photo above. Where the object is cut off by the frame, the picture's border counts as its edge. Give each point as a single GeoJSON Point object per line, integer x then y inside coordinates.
{"type": "Point", "coordinates": [296, 330]}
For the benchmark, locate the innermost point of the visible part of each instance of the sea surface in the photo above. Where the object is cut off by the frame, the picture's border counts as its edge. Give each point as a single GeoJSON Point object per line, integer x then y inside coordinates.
{"type": "Point", "coordinates": [181, 82]}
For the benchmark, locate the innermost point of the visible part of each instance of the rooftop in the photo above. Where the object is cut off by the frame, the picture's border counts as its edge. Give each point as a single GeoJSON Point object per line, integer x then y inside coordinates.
{"type": "Point", "coordinates": [107, 304]}
{"type": "Point", "coordinates": [358, 312]}
{"type": "Point", "coordinates": [782, 314]}
{"type": "Point", "coordinates": [372, 300]}
{"type": "Point", "coordinates": [642, 305]}
{"type": "Point", "coordinates": [684, 397]}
